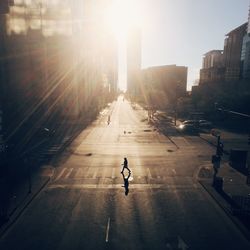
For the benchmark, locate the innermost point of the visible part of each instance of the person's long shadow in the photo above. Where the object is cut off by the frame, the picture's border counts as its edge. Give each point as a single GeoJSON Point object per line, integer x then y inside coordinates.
{"type": "Point", "coordinates": [126, 182]}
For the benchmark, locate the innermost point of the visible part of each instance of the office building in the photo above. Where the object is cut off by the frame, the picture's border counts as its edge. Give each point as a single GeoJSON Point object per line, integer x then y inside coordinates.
{"type": "Point", "coordinates": [212, 67]}
{"type": "Point", "coordinates": [232, 53]}
{"type": "Point", "coordinates": [134, 62]}
{"type": "Point", "coordinates": [245, 53]}
{"type": "Point", "coordinates": [170, 79]}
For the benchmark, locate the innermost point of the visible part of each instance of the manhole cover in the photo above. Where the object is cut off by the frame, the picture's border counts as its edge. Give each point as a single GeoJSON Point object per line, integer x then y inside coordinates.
{"type": "Point", "coordinates": [89, 154]}
{"type": "Point", "coordinates": [170, 150]}
{"type": "Point", "coordinates": [147, 130]}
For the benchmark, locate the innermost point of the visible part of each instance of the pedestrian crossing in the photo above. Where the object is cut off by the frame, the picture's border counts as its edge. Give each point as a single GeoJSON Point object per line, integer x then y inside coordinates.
{"type": "Point", "coordinates": [114, 173]}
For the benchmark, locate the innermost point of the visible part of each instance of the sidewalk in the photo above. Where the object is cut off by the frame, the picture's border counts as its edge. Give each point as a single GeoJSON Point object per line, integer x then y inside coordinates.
{"type": "Point", "coordinates": [28, 188]}
{"type": "Point", "coordinates": [233, 198]}
{"type": "Point", "coordinates": [24, 193]}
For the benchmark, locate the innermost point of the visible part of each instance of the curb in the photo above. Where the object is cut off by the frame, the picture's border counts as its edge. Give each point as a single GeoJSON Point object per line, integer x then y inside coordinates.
{"type": "Point", "coordinates": [237, 223]}
{"type": "Point", "coordinates": [212, 144]}
{"type": "Point", "coordinates": [19, 211]}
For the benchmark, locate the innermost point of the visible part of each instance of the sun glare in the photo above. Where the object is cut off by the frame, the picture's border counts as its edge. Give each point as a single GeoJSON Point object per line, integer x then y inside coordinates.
{"type": "Point", "coordinates": [122, 15]}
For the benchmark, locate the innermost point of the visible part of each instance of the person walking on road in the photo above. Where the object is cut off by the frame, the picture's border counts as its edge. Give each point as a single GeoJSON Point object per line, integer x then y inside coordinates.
{"type": "Point", "coordinates": [125, 165]}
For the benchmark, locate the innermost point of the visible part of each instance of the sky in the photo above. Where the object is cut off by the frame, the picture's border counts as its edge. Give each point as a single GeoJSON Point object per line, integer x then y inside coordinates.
{"type": "Point", "coordinates": [180, 31]}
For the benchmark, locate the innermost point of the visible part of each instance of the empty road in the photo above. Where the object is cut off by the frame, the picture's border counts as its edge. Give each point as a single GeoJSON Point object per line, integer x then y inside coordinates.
{"type": "Point", "coordinates": [84, 206]}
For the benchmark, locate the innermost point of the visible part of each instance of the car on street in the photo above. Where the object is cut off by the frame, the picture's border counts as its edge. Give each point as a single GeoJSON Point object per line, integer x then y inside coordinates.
{"type": "Point", "coordinates": [189, 126]}
{"type": "Point", "coordinates": [205, 124]}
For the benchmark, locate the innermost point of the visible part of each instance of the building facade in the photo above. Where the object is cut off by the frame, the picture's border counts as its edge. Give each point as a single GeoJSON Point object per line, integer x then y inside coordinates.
{"type": "Point", "coordinates": [212, 67]}
{"type": "Point", "coordinates": [232, 53]}
{"type": "Point", "coordinates": [245, 53]}
{"type": "Point", "coordinates": [163, 85]}
{"type": "Point", "coordinates": [134, 63]}
{"type": "Point", "coordinates": [56, 65]}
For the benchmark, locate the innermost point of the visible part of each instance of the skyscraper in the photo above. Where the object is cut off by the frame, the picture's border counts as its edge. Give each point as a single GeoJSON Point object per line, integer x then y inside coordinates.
{"type": "Point", "coordinates": [233, 51]}
{"type": "Point", "coordinates": [245, 53]}
{"type": "Point", "coordinates": [133, 62]}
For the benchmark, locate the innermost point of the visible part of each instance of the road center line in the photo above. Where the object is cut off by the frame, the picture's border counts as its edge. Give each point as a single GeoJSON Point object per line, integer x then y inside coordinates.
{"type": "Point", "coordinates": [107, 230]}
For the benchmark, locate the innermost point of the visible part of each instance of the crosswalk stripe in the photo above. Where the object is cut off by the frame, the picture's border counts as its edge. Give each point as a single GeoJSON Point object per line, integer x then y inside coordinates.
{"type": "Point", "coordinates": [131, 186]}
{"type": "Point", "coordinates": [68, 174]}
{"type": "Point", "coordinates": [149, 174]}
{"type": "Point", "coordinates": [113, 173]}
{"type": "Point", "coordinates": [61, 173]}
{"type": "Point", "coordinates": [95, 173]}
{"type": "Point", "coordinates": [79, 172]}
{"type": "Point", "coordinates": [103, 175]}
{"type": "Point", "coordinates": [87, 173]}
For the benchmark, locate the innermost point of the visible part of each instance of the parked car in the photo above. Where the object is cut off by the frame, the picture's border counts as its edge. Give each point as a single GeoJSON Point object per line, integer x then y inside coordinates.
{"type": "Point", "coordinates": [189, 126]}
{"type": "Point", "coordinates": [205, 124]}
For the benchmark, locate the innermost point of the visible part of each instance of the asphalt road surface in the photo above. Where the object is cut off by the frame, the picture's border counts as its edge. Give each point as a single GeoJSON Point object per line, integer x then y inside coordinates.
{"type": "Point", "coordinates": [85, 206]}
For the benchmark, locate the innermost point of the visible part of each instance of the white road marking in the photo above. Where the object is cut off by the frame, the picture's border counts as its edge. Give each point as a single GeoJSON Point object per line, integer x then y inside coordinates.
{"type": "Point", "coordinates": [79, 172]}
{"type": "Point", "coordinates": [108, 186]}
{"type": "Point", "coordinates": [173, 170]}
{"type": "Point", "coordinates": [103, 175]}
{"type": "Point", "coordinates": [87, 173]}
{"type": "Point", "coordinates": [60, 175]}
{"type": "Point", "coordinates": [149, 174]}
{"type": "Point", "coordinates": [113, 173]}
{"type": "Point", "coordinates": [68, 174]}
{"type": "Point", "coordinates": [118, 186]}
{"type": "Point", "coordinates": [95, 173]}
{"type": "Point", "coordinates": [107, 230]}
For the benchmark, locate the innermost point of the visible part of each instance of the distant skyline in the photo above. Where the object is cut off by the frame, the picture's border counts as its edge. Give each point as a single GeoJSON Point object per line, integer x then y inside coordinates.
{"type": "Point", "coordinates": [181, 31]}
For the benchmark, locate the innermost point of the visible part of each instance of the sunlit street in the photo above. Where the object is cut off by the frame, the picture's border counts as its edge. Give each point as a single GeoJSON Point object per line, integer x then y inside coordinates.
{"type": "Point", "coordinates": [85, 206]}
{"type": "Point", "coordinates": [124, 125]}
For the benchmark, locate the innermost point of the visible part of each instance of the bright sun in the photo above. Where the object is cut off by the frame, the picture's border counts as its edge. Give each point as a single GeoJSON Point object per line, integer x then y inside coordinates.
{"type": "Point", "coordinates": [122, 15]}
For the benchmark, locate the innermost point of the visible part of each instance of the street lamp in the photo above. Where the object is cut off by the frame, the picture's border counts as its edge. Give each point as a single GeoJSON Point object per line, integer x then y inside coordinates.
{"type": "Point", "coordinates": [176, 101]}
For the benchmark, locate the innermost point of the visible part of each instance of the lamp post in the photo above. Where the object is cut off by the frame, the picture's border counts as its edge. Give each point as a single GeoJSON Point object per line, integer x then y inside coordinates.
{"type": "Point", "coordinates": [176, 101]}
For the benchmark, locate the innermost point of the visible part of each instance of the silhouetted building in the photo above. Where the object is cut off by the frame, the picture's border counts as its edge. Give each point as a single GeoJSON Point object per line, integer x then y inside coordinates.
{"type": "Point", "coordinates": [168, 80]}
{"type": "Point", "coordinates": [100, 45]}
{"type": "Point", "coordinates": [213, 69]}
{"type": "Point", "coordinates": [245, 53]}
{"type": "Point", "coordinates": [232, 53]}
{"type": "Point", "coordinates": [55, 67]}
{"type": "Point", "coordinates": [134, 63]}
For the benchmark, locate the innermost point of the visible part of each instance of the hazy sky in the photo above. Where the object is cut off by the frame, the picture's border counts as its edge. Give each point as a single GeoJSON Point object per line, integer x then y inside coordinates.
{"type": "Point", "coordinates": [181, 31]}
